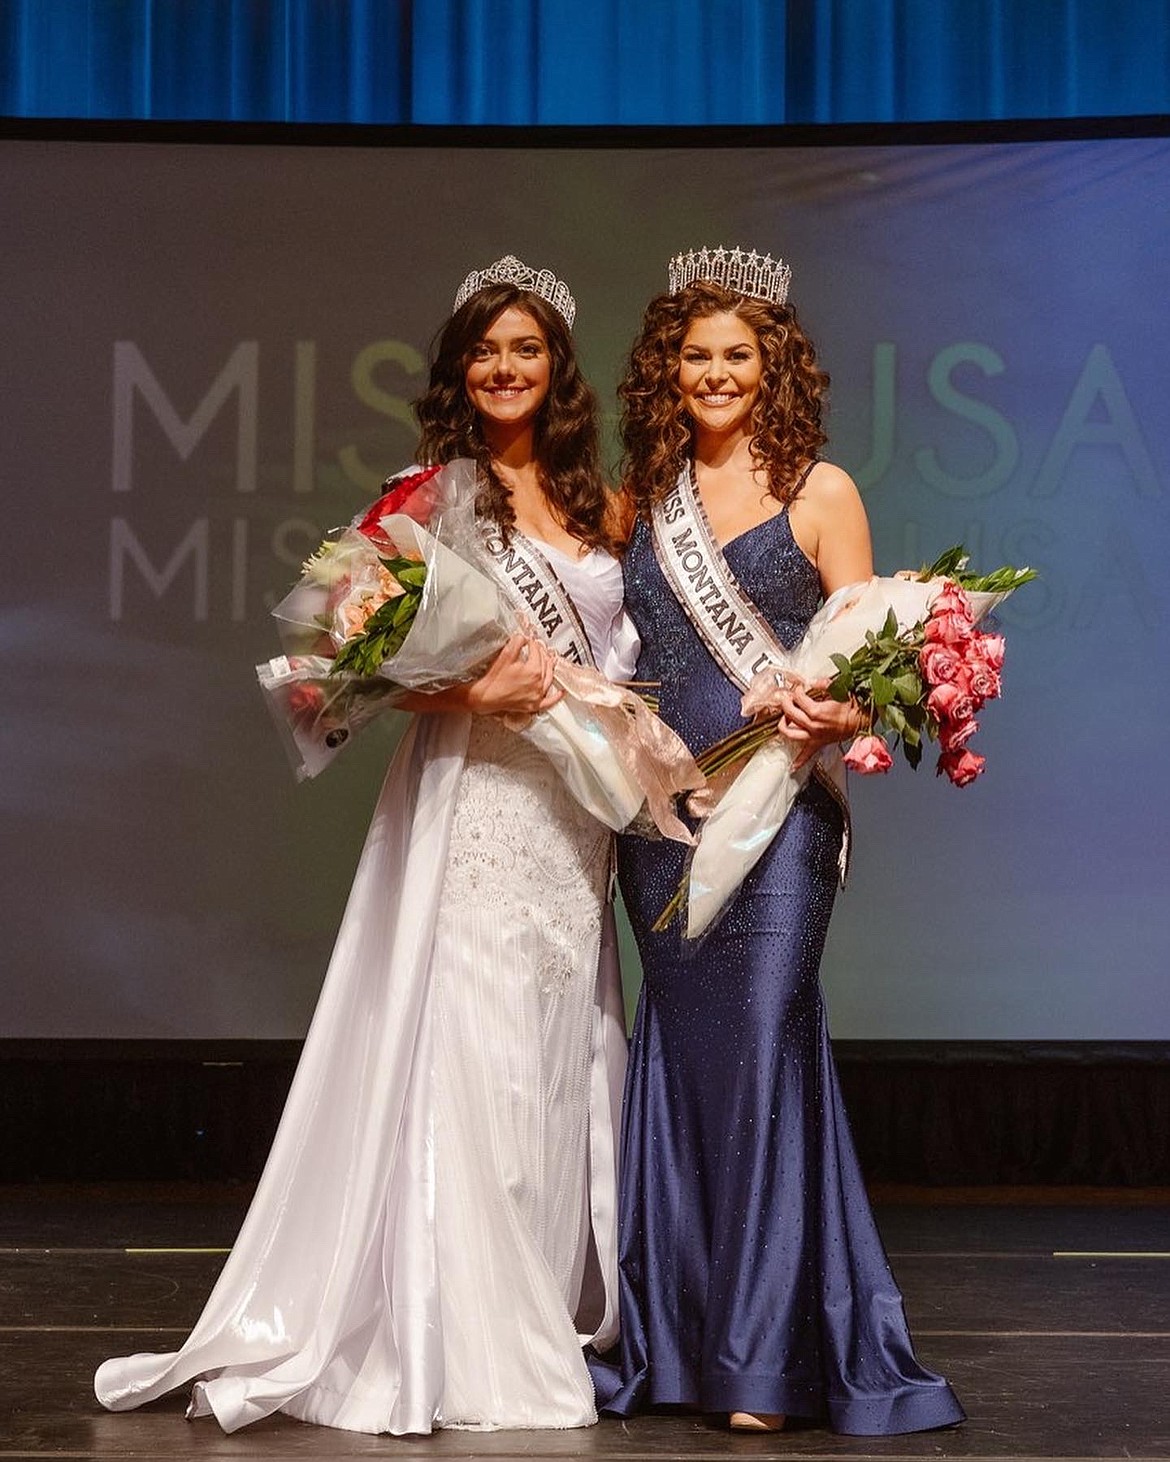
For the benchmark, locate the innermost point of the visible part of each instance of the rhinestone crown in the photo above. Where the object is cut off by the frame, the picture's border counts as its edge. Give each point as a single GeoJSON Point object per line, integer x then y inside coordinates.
{"type": "Point", "coordinates": [758, 276]}
{"type": "Point", "coordinates": [510, 270]}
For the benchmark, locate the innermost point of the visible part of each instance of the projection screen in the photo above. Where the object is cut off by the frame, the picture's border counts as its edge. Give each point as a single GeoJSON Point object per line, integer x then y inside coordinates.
{"type": "Point", "coordinates": [209, 357]}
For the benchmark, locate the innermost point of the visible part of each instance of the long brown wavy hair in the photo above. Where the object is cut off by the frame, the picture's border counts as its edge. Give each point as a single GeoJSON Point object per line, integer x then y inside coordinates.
{"type": "Point", "coordinates": [565, 434]}
{"type": "Point", "coordinates": [657, 435]}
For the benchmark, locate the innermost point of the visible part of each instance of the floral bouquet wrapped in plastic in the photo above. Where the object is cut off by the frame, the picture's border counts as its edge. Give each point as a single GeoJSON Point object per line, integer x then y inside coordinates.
{"type": "Point", "coordinates": [908, 650]}
{"type": "Point", "coordinates": [384, 588]}
{"type": "Point", "coordinates": [404, 600]}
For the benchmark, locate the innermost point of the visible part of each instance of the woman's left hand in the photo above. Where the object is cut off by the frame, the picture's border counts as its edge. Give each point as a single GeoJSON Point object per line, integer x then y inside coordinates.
{"type": "Point", "coordinates": [811, 719]}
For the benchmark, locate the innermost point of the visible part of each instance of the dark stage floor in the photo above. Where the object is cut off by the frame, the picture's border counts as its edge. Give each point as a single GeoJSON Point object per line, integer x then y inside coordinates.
{"type": "Point", "coordinates": [1051, 1319]}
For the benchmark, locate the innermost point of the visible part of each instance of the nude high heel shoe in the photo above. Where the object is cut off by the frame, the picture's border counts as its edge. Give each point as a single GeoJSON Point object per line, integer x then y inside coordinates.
{"type": "Point", "coordinates": [751, 1421]}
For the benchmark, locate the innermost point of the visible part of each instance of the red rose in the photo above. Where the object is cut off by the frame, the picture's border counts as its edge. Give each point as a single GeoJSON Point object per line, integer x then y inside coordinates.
{"type": "Point", "coordinates": [961, 766]}
{"type": "Point", "coordinates": [403, 497]}
{"type": "Point", "coordinates": [305, 701]}
{"type": "Point", "coordinates": [869, 754]}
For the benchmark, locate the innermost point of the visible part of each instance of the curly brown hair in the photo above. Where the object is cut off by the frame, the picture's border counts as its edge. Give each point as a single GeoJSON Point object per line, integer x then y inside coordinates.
{"type": "Point", "coordinates": [566, 439]}
{"type": "Point", "coordinates": [657, 436]}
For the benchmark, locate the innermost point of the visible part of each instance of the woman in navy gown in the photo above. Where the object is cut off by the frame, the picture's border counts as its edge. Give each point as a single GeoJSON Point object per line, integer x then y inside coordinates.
{"type": "Point", "coordinates": [753, 1280]}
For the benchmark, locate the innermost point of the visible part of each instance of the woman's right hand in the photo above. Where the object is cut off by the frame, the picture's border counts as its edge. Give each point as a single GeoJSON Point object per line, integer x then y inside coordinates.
{"type": "Point", "coordinates": [518, 681]}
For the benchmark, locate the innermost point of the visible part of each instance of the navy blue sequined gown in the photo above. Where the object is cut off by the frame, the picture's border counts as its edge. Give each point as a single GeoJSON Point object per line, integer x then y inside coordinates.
{"type": "Point", "coordinates": [752, 1276]}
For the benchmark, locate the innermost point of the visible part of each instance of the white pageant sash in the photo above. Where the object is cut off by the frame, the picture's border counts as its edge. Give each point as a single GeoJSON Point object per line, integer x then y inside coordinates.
{"type": "Point", "coordinates": [532, 585]}
{"type": "Point", "coordinates": [728, 623]}
{"type": "Point", "coordinates": [735, 633]}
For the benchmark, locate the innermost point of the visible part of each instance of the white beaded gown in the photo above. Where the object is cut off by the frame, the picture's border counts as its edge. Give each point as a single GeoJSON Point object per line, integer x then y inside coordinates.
{"type": "Point", "coordinates": [433, 1239]}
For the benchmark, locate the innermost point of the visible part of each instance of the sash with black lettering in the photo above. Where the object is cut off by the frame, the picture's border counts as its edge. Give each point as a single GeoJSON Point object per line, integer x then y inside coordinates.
{"type": "Point", "coordinates": [533, 587]}
{"type": "Point", "coordinates": [728, 623]}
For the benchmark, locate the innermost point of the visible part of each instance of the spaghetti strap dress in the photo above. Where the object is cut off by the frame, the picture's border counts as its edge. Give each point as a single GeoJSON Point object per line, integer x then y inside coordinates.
{"type": "Point", "coordinates": [752, 1276]}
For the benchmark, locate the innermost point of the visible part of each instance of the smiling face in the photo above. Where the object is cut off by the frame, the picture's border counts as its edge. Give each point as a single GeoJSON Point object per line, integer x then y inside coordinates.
{"type": "Point", "coordinates": [507, 372]}
{"type": "Point", "coordinates": [719, 374]}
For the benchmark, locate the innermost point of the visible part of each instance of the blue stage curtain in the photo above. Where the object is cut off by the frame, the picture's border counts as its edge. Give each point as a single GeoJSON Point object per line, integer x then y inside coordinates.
{"type": "Point", "coordinates": [585, 62]}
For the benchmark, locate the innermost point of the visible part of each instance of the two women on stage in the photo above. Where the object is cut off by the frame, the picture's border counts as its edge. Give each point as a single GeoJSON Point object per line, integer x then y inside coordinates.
{"type": "Point", "coordinates": [433, 1240]}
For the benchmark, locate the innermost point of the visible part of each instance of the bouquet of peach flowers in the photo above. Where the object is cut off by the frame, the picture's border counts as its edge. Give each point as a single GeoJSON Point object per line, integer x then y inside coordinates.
{"type": "Point", "coordinates": [382, 608]}
{"type": "Point", "coordinates": [907, 649]}
{"type": "Point", "coordinates": [404, 600]}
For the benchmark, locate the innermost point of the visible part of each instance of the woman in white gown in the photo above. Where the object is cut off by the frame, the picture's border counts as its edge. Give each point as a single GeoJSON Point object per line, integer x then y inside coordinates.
{"type": "Point", "coordinates": [432, 1240]}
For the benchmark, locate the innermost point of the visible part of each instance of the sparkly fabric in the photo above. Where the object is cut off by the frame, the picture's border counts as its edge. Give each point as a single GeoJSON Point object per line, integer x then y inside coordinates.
{"type": "Point", "coordinates": [752, 1275]}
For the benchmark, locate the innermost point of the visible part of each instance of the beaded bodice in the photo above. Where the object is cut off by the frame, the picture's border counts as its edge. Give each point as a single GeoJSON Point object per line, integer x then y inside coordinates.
{"type": "Point", "coordinates": [695, 696]}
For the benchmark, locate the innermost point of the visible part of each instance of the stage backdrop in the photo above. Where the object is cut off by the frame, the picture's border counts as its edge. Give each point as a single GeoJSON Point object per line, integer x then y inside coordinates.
{"type": "Point", "coordinates": [209, 355]}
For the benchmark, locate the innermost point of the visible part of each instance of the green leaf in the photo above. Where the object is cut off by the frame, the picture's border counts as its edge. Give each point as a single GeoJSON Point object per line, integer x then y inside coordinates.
{"type": "Point", "coordinates": [999, 581]}
{"type": "Point", "coordinates": [946, 565]}
{"type": "Point", "coordinates": [916, 715]}
{"type": "Point", "coordinates": [883, 689]}
{"type": "Point", "coordinates": [953, 565]}
{"type": "Point", "coordinates": [908, 686]}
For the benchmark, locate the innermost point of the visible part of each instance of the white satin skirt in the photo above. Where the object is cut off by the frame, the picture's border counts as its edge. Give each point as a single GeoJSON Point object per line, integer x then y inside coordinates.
{"type": "Point", "coordinates": [514, 976]}
{"type": "Point", "coordinates": [433, 1238]}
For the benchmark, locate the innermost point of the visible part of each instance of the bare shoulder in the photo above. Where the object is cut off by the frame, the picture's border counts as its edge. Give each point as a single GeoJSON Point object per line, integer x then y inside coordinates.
{"type": "Point", "coordinates": [830, 524]}
{"type": "Point", "coordinates": [829, 489]}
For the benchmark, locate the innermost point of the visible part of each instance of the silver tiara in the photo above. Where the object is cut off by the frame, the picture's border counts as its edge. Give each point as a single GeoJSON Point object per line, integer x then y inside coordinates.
{"type": "Point", "coordinates": [509, 270]}
{"type": "Point", "coordinates": [758, 276]}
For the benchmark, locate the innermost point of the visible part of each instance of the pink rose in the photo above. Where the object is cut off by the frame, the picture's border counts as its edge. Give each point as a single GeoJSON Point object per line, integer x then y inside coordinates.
{"type": "Point", "coordinates": [951, 702]}
{"type": "Point", "coordinates": [984, 683]}
{"type": "Point", "coordinates": [942, 698]}
{"type": "Point", "coordinates": [954, 734]}
{"type": "Point", "coordinates": [989, 648]}
{"type": "Point", "coordinates": [940, 664]}
{"type": "Point", "coordinates": [946, 629]}
{"type": "Point", "coordinates": [952, 600]}
{"type": "Point", "coordinates": [961, 766]}
{"type": "Point", "coordinates": [340, 591]}
{"type": "Point", "coordinates": [869, 754]}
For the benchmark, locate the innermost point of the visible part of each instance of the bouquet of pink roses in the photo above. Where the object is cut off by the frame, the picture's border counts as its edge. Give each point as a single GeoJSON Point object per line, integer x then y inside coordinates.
{"type": "Point", "coordinates": [930, 678]}
{"type": "Point", "coordinates": [908, 650]}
